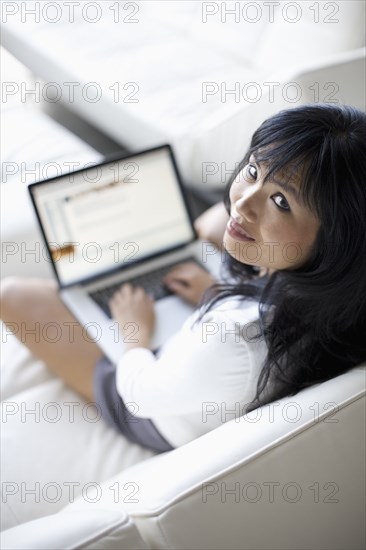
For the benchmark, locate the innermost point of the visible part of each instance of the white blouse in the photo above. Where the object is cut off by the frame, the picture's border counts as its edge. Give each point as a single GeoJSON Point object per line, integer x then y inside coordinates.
{"type": "Point", "coordinates": [202, 376]}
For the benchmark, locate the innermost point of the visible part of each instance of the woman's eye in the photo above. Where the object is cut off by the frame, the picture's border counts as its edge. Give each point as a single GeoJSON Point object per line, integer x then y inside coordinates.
{"type": "Point", "coordinates": [251, 171]}
{"type": "Point", "coordinates": [285, 205]}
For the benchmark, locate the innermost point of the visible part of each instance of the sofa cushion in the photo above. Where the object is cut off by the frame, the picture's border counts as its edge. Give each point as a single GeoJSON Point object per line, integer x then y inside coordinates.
{"type": "Point", "coordinates": [51, 439]}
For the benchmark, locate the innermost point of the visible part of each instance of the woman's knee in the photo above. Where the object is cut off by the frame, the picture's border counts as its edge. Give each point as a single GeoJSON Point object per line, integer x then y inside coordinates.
{"type": "Point", "coordinates": [16, 291]}
{"type": "Point", "coordinates": [9, 293]}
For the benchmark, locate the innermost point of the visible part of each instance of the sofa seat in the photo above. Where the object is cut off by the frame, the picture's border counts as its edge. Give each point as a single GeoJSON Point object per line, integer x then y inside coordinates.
{"type": "Point", "coordinates": [62, 442]}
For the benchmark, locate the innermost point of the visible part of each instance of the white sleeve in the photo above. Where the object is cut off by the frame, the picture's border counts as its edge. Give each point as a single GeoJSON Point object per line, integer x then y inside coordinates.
{"type": "Point", "coordinates": [196, 365]}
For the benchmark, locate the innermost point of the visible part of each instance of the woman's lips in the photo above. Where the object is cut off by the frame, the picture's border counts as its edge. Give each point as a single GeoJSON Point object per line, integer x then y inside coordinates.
{"type": "Point", "coordinates": [237, 232]}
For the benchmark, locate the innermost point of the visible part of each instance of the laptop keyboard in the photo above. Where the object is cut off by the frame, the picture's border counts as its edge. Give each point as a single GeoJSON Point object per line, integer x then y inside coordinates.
{"type": "Point", "coordinates": [151, 282]}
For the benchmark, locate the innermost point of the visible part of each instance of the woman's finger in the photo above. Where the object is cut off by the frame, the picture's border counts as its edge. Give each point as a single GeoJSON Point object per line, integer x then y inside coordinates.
{"type": "Point", "coordinates": [180, 287]}
{"type": "Point", "coordinates": [183, 275]}
{"type": "Point", "coordinates": [178, 281]}
{"type": "Point", "coordinates": [183, 291]}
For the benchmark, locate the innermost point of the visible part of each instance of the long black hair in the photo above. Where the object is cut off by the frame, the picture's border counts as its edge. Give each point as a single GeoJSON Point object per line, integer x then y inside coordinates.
{"type": "Point", "coordinates": [316, 328]}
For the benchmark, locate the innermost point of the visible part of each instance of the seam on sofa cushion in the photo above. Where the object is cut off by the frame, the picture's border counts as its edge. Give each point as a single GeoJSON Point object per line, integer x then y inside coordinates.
{"type": "Point", "coordinates": [124, 519]}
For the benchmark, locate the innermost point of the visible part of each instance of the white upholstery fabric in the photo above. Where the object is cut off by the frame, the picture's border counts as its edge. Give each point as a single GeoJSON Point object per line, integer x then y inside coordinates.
{"type": "Point", "coordinates": [318, 483]}
{"type": "Point", "coordinates": [310, 448]}
{"type": "Point", "coordinates": [99, 530]}
{"type": "Point", "coordinates": [168, 55]}
{"type": "Point", "coordinates": [63, 441]}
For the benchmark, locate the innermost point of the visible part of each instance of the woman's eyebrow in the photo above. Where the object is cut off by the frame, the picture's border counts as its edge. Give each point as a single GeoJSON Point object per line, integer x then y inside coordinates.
{"type": "Point", "coordinates": [291, 190]}
{"type": "Point", "coordinates": [285, 186]}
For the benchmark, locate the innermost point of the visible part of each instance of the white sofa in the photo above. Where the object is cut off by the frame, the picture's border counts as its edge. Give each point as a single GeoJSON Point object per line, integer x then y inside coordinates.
{"type": "Point", "coordinates": [290, 475]}
{"type": "Point", "coordinates": [149, 72]}
{"type": "Point", "coordinates": [298, 482]}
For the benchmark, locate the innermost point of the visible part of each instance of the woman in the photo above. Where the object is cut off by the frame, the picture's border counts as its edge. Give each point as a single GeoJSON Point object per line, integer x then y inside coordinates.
{"type": "Point", "coordinates": [291, 311]}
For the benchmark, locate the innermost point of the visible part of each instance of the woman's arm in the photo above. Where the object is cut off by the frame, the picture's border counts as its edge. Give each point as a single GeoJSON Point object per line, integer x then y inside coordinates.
{"type": "Point", "coordinates": [210, 225]}
{"type": "Point", "coordinates": [191, 368]}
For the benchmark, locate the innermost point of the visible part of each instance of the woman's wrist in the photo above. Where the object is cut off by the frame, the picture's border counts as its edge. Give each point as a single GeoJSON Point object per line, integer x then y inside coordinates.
{"type": "Point", "coordinates": [140, 340]}
{"type": "Point", "coordinates": [133, 345]}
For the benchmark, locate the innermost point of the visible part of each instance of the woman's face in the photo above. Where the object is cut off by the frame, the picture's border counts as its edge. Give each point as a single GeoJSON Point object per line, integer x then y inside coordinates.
{"type": "Point", "coordinates": [281, 227]}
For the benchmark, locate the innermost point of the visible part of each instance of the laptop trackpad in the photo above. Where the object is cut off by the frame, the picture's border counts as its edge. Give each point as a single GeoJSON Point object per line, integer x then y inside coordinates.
{"type": "Point", "coordinates": [171, 313]}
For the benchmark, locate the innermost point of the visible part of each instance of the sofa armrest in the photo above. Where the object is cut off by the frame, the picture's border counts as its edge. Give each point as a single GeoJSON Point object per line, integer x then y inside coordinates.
{"type": "Point", "coordinates": [93, 529]}
{"type": "Point", "coordinates": [196, 496]}
{"type": "Point", "coordinates": [192, 497]}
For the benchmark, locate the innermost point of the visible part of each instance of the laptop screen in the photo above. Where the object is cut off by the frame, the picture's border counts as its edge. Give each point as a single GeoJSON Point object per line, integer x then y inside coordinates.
{"type": "Point", "coordinates": [96, 220]}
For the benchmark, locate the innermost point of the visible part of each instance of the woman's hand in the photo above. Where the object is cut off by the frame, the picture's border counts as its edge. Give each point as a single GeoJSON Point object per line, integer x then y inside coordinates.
{"type": "Point", "coordinates": [189, 281]}
{"type": "Point", "coordinates": [132, 306]}
{"type": "Point", "coordinates": [210, 225]}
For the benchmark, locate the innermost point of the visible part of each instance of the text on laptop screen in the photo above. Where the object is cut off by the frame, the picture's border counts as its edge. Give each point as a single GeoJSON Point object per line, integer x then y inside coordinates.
{"type": "Point", "coordinates": [112, 215]}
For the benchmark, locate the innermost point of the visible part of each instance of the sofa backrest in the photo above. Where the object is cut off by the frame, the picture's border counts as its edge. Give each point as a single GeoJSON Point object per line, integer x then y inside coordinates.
{"type": "Point", "coordinates": [223, 138]}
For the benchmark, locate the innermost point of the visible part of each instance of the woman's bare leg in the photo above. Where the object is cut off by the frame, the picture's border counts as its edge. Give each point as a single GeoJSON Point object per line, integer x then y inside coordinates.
{"type": "Point", "coordinates": [32, 309]}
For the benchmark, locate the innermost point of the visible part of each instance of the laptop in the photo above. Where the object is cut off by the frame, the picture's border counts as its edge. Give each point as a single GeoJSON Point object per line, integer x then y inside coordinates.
{"type": "Point", "coordinates": [123, 220]}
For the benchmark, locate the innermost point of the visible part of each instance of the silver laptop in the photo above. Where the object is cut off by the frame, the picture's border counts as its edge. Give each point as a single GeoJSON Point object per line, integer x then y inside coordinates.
{"type": "Point", "coordinates": [126, 219]}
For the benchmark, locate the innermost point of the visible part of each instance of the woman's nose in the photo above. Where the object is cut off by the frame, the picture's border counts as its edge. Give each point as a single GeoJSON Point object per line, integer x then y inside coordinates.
{"type": "Point", "coordinates": [248, 205]}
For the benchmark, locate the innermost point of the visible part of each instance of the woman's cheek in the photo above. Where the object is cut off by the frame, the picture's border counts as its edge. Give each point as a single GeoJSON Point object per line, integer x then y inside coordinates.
{"type": "Point", "coordinates": [236, 191]}
{"type": "Point", "coordinates": [272, 230]}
